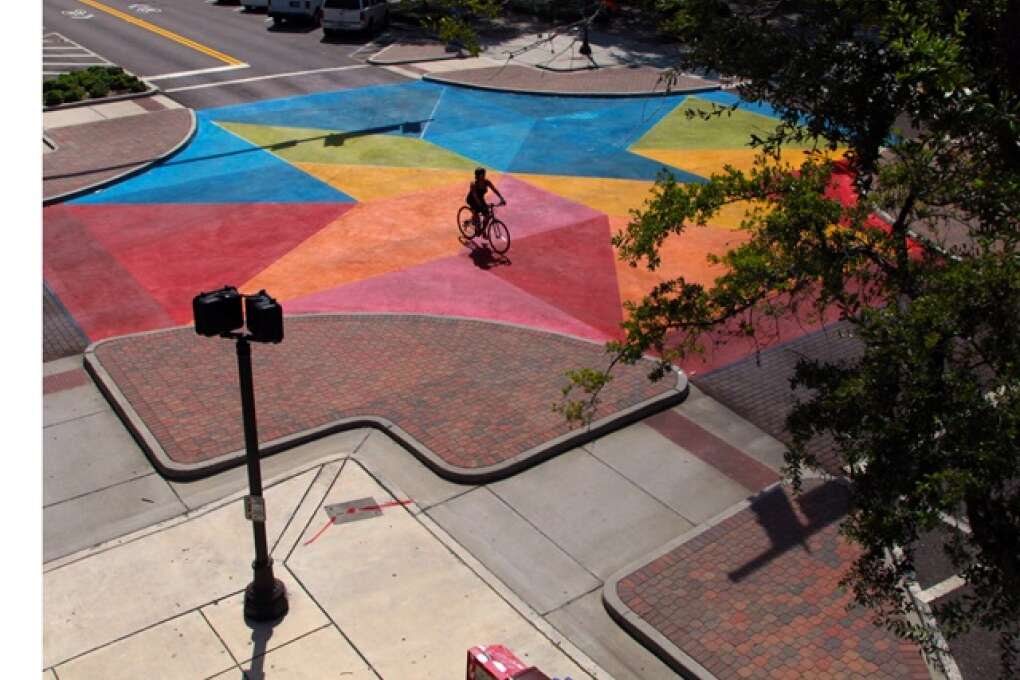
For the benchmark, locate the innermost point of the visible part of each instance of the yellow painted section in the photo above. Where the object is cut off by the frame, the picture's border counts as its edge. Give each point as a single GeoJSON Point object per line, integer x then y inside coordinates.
{"type": "Point", "coordinates": [706, 162]}
{"type": "Point", "coordinates": [685, 255]}
{"type": "Point", "coordinates": [369, 240]}
{"type": "Point", "coordinates": [158, 30]}
{"type": "Point", "coordinates": [610, 196]}
{"type": "Point", "coordinates": [372, 183]}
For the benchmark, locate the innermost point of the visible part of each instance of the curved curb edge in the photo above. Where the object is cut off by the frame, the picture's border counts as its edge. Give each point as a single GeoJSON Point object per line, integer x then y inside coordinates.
{"type": "Point", "coordinates": [177, 471]}
{"type": "Point", "coordinates": [439, 79]}
{"type": "Point", "coordinates": [375, 61]}
{"type": "Point", "coordinates": [74, 193]}
{"type": "Point", "coordinates": [642, 631]}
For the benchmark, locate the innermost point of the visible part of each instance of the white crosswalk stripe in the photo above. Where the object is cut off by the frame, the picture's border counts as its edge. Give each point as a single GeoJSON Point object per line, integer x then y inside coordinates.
{"type": "Point", "coordinates": [58, 50]}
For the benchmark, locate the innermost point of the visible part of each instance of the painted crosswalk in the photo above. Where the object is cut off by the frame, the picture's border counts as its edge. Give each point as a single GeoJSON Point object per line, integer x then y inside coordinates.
{"type": "Point", "coordinates": [62, 55]}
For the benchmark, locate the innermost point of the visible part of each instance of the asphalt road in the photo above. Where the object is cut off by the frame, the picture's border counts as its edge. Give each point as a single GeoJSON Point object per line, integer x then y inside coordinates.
{"type": "Point", "coordinates": [206, 54]}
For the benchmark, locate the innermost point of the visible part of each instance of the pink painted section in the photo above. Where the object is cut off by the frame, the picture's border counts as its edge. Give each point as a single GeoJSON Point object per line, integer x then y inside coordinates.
{"type": "Point", "coordinates": [530, 210]}
{"type": "Point", "coordinates": [572, 269]}
{"type": "Point", "coordinates": [452, 286]}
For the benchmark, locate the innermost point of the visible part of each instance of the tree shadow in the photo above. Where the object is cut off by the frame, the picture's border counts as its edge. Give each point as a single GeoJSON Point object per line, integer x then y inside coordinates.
{"type": "Point", "coordinates": [822, 506]}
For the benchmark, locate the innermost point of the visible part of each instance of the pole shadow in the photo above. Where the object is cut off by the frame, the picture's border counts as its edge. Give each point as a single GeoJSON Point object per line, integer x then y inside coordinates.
{"type": "Point", "coordinates": [260, 635]}
{"type": "Point", "coordinates": [822, 506]}
{"type": "Point", "coordinates": [332, 139]}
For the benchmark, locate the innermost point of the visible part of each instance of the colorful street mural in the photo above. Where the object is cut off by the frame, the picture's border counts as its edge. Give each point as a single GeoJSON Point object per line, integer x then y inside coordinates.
{"type": "Point", "coordinates": [346, 201]}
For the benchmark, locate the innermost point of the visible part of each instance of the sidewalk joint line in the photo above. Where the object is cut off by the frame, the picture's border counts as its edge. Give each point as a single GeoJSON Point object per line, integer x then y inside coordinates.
{"type": "Point", "coordinates": [97, 490]}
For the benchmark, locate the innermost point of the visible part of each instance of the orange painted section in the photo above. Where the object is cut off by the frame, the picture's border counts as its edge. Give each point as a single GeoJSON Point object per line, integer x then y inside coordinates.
{"type": "Point", "coordinates": [372, 183]}
{"type": "Point", "coordinates": [685, 255]}
{"type": "Point", "coordinates": [370, 240]}
{"type": "Point", "coordinates": [610, 196]}
{"type": "Point", "coordinates": [705, 162]}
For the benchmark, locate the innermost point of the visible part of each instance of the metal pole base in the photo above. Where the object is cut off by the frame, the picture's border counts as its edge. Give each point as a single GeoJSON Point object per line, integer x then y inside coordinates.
{"type": "Point", "coordinates": [265, 605]}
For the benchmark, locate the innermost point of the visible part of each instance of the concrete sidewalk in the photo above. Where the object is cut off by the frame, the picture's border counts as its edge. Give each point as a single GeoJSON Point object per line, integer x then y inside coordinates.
{"type": "Point", "coordinates": [391, 596]}
{"type": "Point", "coordinates": [88, 147]}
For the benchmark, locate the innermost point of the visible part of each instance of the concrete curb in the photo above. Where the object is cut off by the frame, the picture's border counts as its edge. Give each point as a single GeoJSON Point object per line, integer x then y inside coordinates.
{"type": "Point", "coordinates": [638, 628]}
{"type": "Point", "coordinates": [177, 471]}
{"type": "Point", "coordinates": [74, 193]}
{"type": "Point", "coordinates": [151, 92]}
{"type": "Point", "coordinates": [436, 78]}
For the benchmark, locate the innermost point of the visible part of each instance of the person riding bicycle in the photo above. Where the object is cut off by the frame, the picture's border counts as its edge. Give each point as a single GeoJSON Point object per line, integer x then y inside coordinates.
{"type": "Point", "coordinates": [476, 197]}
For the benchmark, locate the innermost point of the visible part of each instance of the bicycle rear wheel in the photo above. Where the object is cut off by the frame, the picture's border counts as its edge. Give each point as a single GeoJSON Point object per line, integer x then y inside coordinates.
{"type": "Point", "coordinates": [499, 237]}
{"type": "Point", "coordinates": [465, 222]}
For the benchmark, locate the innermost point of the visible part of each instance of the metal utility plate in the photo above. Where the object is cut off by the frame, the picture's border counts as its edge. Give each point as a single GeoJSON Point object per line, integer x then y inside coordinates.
{"type": "Point", "coordinates": [352, 511]}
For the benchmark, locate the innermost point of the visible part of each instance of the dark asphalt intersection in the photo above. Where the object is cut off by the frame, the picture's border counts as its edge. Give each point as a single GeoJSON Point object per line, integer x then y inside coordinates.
{"type": "Point", "coordinates": [206, 54]}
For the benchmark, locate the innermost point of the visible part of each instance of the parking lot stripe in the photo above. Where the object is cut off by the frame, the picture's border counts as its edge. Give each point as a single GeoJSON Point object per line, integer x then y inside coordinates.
{"type": "Point", "coordinates": [169, 35]}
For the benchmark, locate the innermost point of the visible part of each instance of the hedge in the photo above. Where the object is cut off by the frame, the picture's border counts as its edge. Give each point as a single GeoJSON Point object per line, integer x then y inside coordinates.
{"type": "Point", "coordinates": [92, 82]}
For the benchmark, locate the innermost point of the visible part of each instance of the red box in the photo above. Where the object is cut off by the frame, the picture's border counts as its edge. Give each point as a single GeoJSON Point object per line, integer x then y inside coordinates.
{"type": "Point", "coordinates": [496, 662]}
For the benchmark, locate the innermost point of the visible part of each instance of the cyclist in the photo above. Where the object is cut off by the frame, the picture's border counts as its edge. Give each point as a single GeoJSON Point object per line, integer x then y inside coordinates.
{"type": "Point", "coordinates": [476, 197]}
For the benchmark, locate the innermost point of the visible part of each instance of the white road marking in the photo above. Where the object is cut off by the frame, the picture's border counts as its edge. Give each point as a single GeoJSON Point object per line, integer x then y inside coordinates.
{"type": "Point", "coordinates": [75, 63]}
{"type": "Point", "coordinates": [433, 114]}
{"type": "Point", "coordinates": [269, 77]}
{"type": "Point", "coordinates": [201, 71]}
{"type": "Point", "coordinates": [939, 589]}
{"type": "Point", "coordinates": [363, 47]}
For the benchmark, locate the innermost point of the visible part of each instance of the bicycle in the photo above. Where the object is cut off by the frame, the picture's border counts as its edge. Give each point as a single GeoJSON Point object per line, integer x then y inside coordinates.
{"type": "Point", "coordinates": [494, 231]}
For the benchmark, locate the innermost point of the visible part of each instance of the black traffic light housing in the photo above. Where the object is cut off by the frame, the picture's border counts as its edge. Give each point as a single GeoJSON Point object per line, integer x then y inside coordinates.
{"type": "Point", "coordinates": [264, 316]}
{"type": "Point", "coordinates": [220, 313]}
{"type": "Point", "coordinates": [217, 312]}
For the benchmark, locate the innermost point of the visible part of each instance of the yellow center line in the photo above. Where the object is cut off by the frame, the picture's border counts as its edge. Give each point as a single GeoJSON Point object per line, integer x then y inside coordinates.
{"type": "Point", "coordinates": [169, 35]}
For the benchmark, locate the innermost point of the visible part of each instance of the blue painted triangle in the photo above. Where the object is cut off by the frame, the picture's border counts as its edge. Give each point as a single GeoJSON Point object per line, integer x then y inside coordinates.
{"type": "Point", "coordinates": [383, 109]}
{"type": "Point", "coordinates": [219, 167]}
{"type": "Point", "coordinates": [493, 146]}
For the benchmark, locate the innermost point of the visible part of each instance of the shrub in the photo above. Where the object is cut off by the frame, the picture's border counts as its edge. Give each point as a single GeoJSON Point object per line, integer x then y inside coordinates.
{"type": "Point", "coordinates": [94, 81]}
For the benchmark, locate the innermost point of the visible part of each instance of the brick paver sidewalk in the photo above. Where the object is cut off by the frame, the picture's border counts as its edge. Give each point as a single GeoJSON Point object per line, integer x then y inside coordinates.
{"type": "Point", "coordinates": [474, 396]}
{"type": "Point", "coordinates": [93, 153]}
{"type": "Point", "coordinates": [622, 80]}
{"type": "Point", "coordinates": [757, 596]}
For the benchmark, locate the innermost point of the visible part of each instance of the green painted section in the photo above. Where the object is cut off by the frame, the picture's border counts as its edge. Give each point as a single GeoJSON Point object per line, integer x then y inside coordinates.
{"type": "Point", "coordinates": [733, 131]}
{"type": "Point", "coordinates": [307, 145]}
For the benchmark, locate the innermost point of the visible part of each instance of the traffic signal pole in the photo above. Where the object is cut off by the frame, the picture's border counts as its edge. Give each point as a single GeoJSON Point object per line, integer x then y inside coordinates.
{"type": "Point", "coordinates": [265, 598]}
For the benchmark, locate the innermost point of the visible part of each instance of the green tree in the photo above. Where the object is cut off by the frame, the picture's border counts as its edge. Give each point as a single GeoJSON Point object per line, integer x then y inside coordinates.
{"type": "Point", "coordinates": [924, 96]}
{"type": "Point", "coordinates": [453, 21]}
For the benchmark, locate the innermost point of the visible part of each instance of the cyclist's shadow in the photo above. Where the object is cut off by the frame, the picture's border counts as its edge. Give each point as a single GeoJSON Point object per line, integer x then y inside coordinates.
{"type": "Point", "coordinates": [483, 256]}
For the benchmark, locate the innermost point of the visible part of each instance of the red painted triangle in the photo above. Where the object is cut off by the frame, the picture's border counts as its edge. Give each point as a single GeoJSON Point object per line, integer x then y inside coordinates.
{"type": "Point", "coordinates": [102, 296]}
{"type": "Point", "coordinates": [572, 269]}
{"type": "Point", "coordinates": [176, 251]}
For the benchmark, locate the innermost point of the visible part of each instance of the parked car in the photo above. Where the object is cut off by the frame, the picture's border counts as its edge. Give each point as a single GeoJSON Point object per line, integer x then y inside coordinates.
{"type": "Point", "coordinates": [354, 15]}
{"type": "Point", "coordinates": [255, 4]}
{"type": "Point", "coordinates": [299, 10]}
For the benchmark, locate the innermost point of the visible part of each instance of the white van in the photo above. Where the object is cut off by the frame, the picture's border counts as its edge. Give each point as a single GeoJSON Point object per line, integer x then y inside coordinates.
{"type": "Point", "coordinates": [291, 10]}
{"type": "Point", "coordinates": [354, 15]}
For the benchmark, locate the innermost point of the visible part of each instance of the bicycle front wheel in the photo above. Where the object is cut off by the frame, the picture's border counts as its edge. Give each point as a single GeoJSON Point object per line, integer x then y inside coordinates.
{"type": "Point", "coordinates": [499, 237]}
{"type": "Point", "coordinates": [465, 222]}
